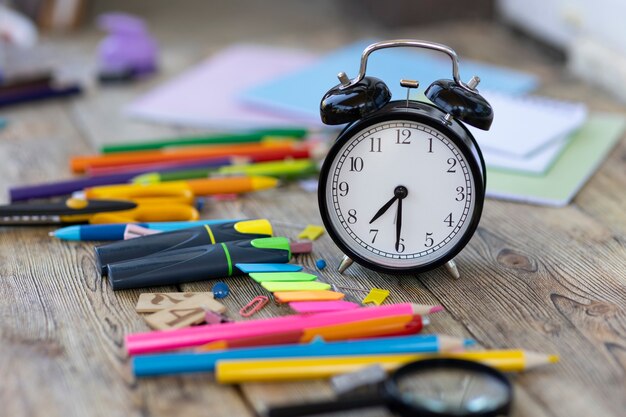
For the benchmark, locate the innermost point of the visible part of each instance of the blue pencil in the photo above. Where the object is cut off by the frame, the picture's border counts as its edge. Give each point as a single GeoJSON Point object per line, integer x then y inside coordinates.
{"type": "Point", "coordinates": [174, 363]}
{"type": "Point", "coordinates": [116, 231]}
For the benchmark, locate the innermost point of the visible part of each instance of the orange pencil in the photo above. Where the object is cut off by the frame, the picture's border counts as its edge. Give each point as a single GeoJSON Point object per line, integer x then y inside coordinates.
{"type": "Point", "coordinates": [277, 150]}
{"type": "Point", "coordinates": [199, 187]}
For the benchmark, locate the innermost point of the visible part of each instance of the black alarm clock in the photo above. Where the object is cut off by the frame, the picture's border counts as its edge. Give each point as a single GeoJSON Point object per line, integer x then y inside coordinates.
{"type": "Point", "coordinates": [402, 188]}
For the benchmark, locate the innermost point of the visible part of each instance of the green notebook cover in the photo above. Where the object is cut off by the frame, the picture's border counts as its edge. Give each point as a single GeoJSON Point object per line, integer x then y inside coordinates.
{"type": "Point", "coordinates": [586, 150]}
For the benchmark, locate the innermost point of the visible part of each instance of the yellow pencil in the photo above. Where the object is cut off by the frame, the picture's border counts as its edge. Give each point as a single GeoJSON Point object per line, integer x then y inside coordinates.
{"type": "Point", "coordinates": [248, 370]}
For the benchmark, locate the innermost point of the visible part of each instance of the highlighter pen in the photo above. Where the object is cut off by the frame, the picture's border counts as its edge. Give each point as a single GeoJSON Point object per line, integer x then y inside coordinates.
{"type": "Point", "coordinates": [199, 263]}
{"type": "Point", "coordinates": [184, 362]}
{"type": "Point", "coordinates": [115, 231]}
{"type": "Point", "coordinates": [125, 250]}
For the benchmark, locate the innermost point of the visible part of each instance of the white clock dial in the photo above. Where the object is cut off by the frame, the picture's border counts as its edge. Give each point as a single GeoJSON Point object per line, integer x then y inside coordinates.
{"type": "Point", "coordinates": [405, 170]}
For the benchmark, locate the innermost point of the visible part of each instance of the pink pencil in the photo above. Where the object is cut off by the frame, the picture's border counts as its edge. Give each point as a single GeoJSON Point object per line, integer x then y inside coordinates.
{"type": "Point", "coordinates": [195, 336]}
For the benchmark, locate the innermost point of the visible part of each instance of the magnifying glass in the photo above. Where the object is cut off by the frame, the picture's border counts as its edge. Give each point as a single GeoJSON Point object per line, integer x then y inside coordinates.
{"type": "Point", "coordinates": [427, 388]}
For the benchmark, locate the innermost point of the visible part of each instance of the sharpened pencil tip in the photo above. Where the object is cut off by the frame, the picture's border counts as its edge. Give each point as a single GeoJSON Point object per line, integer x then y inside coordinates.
{"type": "Point", "coordinates": [553, 358]}
{"type": "Point", "coordinates": [435, 309]}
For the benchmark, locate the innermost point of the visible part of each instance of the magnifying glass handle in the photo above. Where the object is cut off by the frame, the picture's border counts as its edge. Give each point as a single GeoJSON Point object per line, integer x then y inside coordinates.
{"type": "Point", "coordinates": [341, 404]}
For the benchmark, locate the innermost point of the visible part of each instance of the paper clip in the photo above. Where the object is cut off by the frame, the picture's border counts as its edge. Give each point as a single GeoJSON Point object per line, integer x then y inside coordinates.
{"type": "Point", "coordinates": [253, 306]}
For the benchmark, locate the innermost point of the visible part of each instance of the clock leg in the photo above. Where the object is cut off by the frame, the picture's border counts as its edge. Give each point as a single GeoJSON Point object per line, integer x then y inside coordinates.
{"type": "Point", "coordinates": [345, 263]}
{"type": "Point", "coordinates": [452, 269]}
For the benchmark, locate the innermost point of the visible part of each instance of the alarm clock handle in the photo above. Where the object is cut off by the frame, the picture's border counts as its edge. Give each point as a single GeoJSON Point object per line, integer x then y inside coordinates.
{"type": "Point", "coordinates": [347, 82]}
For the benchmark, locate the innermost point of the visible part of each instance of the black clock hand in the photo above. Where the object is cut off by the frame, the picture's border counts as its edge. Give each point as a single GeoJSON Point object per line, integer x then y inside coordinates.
{"type": "Point", "coordinates": [383, 209]}
{"type": "Point", "coordinates": [398, 224]}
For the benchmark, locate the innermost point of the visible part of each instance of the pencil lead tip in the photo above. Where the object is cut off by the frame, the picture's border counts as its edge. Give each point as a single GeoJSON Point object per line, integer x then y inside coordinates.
{"type": "Point", "coordinates": [553, 358]}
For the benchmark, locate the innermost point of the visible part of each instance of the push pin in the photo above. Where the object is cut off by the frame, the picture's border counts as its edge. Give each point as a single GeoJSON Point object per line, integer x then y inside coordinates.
{"type": "Point", "coordinates": [408, 84]}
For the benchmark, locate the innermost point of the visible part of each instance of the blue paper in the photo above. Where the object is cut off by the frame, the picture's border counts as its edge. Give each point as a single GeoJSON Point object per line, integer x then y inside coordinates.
{"type": "Point", "coordinates": [251, 268]}
{"type": "Point", "coordinates": [300, 92]}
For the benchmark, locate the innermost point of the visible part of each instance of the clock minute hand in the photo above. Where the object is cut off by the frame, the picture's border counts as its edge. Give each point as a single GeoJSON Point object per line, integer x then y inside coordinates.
{"type": "Point", "coordinates": [383, 209]}
{"type": "Point", "coordinates": [398, 224]}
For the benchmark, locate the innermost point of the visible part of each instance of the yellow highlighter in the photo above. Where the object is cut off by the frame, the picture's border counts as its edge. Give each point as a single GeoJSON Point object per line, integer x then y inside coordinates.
{"type": "Point", "coordinates": [251, 370]}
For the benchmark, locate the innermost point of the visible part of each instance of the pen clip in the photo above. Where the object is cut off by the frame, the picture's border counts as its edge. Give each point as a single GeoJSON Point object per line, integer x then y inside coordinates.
{"type": "Point", "coordinates": [253, 306]}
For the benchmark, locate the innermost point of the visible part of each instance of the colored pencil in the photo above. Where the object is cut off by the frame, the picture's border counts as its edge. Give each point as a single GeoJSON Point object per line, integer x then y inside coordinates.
{"type": "Point", "coordinates": [174, 363]}
{"type": "Point", "coordinates": [249, 370]}
{"type": "Point", "coordinates": [210, 139]}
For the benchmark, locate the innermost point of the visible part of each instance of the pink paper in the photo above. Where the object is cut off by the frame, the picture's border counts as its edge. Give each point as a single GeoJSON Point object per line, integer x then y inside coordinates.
{"type": "Point", "coordinates": [206, 95]}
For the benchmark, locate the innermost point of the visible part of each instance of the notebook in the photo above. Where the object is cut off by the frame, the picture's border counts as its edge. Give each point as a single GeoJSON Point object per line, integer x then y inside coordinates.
{"type": "Point", "coordinates": [523, 126]}
{"type": "Point", "coordinates": [205, 95]}
{"type": "Point", "coordinates": [582, 156]}
{"type": "Point", "coordinates": [390, 65]}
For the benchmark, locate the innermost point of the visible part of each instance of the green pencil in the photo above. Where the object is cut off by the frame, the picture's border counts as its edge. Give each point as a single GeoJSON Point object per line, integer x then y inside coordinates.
{"type": "Point", "coordinates": [287, 169]}
{"type": "Point", "coordinates": [214, 139]}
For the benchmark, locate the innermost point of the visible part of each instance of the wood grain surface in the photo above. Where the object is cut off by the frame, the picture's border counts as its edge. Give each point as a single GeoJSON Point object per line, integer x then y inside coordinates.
{"type": "Point", "coordinates": [544, 279]}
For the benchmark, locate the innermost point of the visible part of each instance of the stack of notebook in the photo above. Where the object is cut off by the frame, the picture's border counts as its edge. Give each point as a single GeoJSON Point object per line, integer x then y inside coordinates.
{"type": "Point", "coordinates": [539, 150]}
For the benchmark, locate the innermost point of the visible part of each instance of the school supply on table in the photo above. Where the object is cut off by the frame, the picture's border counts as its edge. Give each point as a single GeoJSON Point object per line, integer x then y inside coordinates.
{"type": "Point", "coordinates": [376, 296]}
{"type": "Point", "coordinates": [323, 295]}
{"type": "Point", "coordinates": [29, 94]}
{"type": "Point", "coordinates": [220, 290]}
{"type": "Point", "coordinates": [580, 159]}
{"type": "Point", "coordinates": [199, 263]}
{"type": "Point", "coordinates": [257, 151]}
{"type": "Point", "coordinates": [197, 187]}
{"type": "Point", "coordinates": [281, 276]}
{"type": "Point", "coordinates": [525, 125]}
{"type": "Point", "coordinates": [66, 187]}
{"type": "Point", "coordinates": [179, 239]}
{"type": "Point", "coordinates": [308, 307]}
{"type": "Point", "coordinates": [311, 232]}
{"type": "Point", "coordinates": [428, 388]}
{"type": "Point", "coordinates": [287, 169]}
{"type": "Point", "coordinates": [278, 93]}
{"type": "Point", "coordinates": [174, 363]}
{"type": "Point", "coordinates": [342, 325]}
{"type": "Point", "coordinates": [278, 286]}
{"type": "Point", "coordinates": [183, 314]}
{"type": "Point", "coordinates": [153, 302]}
{"type": "Point", "coordinates": [208, 139]}
{"type": "Point", "coordinates": [252, 268]}
{"type": "Point", "coordinates": [254, 306]}
{"type": "Point", "coordinates": [128, 51]}
{"type": "Point", "coordinates": [206, 95]}
{"type": "Point", "coordinates": [289, 369]}
{"type": "Point", "coordinates": [94, 211]}
{"type": "Point", "coordinates": [116, 231]}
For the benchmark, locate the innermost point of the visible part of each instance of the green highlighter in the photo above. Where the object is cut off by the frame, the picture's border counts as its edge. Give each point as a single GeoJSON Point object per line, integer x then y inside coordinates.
{"type": "Point", "coordinates": [198, 263]}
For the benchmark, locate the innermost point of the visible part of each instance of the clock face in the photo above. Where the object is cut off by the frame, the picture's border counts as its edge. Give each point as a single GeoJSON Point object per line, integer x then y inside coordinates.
{"type": "Point", "coordinates": [400, 194]}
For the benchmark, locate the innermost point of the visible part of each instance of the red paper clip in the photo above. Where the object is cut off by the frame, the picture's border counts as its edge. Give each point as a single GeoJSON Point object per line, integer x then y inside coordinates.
{"type": "Point", "coordinates": [253, 306]}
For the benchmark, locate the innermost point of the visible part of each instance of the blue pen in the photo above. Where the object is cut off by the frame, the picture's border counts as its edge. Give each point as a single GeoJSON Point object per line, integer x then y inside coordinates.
{"type": "Point", "coordinates": [174, 363]}
{"type": "Point", "coordinates": [116, 231]}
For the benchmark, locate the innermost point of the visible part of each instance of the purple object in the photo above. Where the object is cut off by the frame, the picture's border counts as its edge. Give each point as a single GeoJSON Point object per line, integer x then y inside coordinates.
{"type": "Point", "coordinates": [54, 189]}
{"type": "Point", "coordinates": [128, 47]}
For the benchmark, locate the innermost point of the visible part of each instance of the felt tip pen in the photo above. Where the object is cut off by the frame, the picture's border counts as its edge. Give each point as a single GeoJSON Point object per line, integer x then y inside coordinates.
{"type": "Point", "coordinates": [125, 250]}
{"type": "Point", "coordinates": [175, 363]}
{"type": "Point", "coordinates": [115, 231]}
{"type": "Point", "coordinates": [198, 263]}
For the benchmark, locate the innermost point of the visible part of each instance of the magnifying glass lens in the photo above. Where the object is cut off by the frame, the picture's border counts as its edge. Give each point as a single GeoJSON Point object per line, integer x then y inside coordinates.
{"type": "Point", "coordinates": [455, 392]}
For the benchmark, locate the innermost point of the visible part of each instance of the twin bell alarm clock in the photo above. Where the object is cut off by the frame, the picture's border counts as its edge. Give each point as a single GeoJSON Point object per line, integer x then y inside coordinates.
{"type": "Point", "coordinates": [402, 188]}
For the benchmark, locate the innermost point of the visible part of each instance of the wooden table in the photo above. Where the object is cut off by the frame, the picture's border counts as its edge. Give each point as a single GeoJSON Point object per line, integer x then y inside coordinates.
{"type": "Point", "coordinates": [545, 279]}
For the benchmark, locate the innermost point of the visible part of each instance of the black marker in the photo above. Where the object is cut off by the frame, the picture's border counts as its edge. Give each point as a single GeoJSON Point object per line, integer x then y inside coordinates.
{"type": "Point", "coordinates": [197, 263]}
{"type": "Point", "coordinates": [178, 239]}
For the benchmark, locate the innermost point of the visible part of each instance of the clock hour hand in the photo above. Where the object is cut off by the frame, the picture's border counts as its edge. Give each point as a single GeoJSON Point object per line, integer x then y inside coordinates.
{"type": "Point", "coordinates": [383, 209]}
{"type": "Point", "coordinates": [398, 224]}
